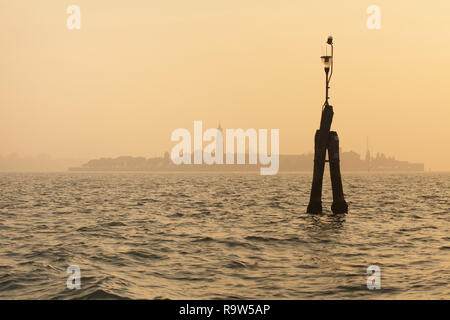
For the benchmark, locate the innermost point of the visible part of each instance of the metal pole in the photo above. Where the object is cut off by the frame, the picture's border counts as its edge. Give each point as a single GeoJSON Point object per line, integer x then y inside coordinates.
{"type": "Point", "coordinates": [327, 81]}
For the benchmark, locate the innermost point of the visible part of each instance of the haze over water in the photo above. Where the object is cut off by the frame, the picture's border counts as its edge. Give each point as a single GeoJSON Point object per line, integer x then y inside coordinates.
{"type": "Point", "coordinates": [202, 236]}
{"type": "Point", "coordinates": [137, 70]}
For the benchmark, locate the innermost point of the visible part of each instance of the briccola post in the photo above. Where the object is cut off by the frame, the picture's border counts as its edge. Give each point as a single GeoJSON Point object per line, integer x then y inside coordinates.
{"type": "Point", "coordinates": [326, 140]}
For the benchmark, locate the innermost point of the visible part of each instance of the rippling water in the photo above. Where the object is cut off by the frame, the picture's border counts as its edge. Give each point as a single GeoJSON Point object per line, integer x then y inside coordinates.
{"type": "Point", "coordinates": [206, 236]}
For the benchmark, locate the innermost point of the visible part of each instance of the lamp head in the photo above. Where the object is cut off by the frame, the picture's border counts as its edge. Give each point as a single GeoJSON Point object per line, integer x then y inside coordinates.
{"type": "Point", "coordinates": [327, 61]}
{"type": "Point", "coordinates": [330, 40]}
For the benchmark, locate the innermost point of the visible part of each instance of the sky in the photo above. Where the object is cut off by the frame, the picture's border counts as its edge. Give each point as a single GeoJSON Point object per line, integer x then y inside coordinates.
{"type": "Point", "coordinates": [139, 69]}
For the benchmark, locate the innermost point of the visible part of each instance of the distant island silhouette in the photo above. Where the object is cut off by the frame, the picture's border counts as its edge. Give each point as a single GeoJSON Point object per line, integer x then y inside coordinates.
{"type": "Point", "coordinates": [350, 161]}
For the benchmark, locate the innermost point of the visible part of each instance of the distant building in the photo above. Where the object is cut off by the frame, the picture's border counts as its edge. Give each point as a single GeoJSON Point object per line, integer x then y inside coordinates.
{"type": "Point", "coordinates": [368, 155]}
{"type": "Point", "coordinates": [350, 161]}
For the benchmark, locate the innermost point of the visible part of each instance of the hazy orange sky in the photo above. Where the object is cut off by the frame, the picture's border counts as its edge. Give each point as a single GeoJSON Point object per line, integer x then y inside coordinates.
{"type": "Point", "coordinates": [139, 69]}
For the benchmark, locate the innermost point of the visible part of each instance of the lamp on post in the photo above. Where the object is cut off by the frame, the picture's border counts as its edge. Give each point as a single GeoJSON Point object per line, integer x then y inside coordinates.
{"type": "Point", "coordinates": [328, 65]}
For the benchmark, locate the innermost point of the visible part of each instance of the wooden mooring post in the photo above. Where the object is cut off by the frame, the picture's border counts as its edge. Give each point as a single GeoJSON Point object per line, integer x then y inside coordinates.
{"type": "Point", "coordinates": [325, 140]}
